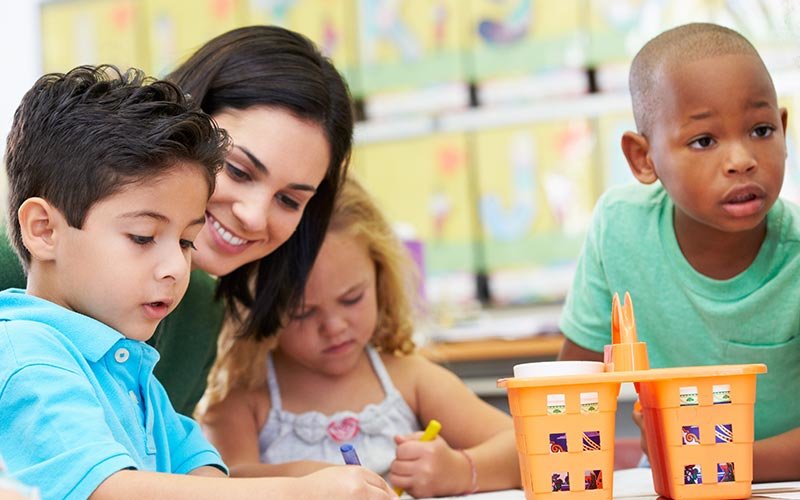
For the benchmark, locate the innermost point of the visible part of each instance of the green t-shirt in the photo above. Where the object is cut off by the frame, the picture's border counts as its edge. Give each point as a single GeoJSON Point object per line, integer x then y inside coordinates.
{"type": "Point", "coordinates": [686, 318]}
{"type": "Point", "coordinates": [186, 339]}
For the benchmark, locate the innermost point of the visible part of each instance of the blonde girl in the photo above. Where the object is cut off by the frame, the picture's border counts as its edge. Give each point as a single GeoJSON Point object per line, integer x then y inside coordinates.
{"type": "Point", "coordinates": [343, 369]}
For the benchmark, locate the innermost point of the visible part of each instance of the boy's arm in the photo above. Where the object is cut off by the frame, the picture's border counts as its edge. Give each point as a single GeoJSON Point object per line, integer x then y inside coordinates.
{"type": "Point", "coordinates": [570, 351]}
{"type": "Point", "coordinates": [344, 482]}
{"type": "Point", "coordinates": [777, 458]}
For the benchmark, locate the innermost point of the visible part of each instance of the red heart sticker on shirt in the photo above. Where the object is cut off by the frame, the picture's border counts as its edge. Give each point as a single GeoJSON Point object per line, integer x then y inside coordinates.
{"type": "Point", "coordinates": [344, 430]}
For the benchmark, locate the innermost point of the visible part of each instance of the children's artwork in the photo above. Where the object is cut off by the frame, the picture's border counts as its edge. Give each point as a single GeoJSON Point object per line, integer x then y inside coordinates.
{"type": "Point", "coordinates": [91, 32]}
{"type": "Point", "coordinates": [791, 177]}
{"type": "Point", "coordinates": [619, 28]}
{"type": "Point", "coordinates": [177, 28]}
{"type": "Point", "coordinates": [410, 44]}
{"type": "Point", "coordinates": [331, 25]}
{"type": "Point", "coordinates": [514, 38]}
{"type": "Point", "coordinates": [537, 186]}
{"type": "Point", "coordinates": [422, 184]}
{"type": "Point", "coordinates": [614, 166]}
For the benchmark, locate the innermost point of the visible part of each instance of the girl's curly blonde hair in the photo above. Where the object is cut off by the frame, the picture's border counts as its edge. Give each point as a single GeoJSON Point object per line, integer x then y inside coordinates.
{"type": "Point", "coordinates": [240, 362]}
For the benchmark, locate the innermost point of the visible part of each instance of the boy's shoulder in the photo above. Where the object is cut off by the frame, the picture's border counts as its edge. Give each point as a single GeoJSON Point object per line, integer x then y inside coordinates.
{"type": "Point", "coordinates": [30, 334]}
{"type": "Point", "coordinates": [630, 207]}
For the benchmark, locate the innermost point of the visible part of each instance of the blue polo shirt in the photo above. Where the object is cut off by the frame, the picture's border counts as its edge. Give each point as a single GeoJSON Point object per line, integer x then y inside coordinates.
{"type": "Point", "coordinates": [79, 402]}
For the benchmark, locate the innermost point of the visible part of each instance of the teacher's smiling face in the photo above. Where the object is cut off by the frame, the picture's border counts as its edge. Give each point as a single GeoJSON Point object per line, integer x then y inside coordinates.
{"type": "Point", "coordinates": [270, 174]}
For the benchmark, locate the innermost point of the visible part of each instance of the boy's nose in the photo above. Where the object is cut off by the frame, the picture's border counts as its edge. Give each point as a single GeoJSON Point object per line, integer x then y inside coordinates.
{"type": "Point", "coordinates": [740, 160]}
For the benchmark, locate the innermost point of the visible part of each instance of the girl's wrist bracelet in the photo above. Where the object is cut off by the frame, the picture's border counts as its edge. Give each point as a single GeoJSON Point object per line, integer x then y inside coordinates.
{"type": "Point", "coordinates": [473, 473]}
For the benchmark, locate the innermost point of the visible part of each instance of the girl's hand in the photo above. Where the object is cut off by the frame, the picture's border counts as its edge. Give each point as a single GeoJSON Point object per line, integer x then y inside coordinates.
{"type": "Point", "coordinates": [345, 482]}
{"type": "Point", "coordinates": [638, 419]}
{"type": "Point", "coordinates": [430, 468]}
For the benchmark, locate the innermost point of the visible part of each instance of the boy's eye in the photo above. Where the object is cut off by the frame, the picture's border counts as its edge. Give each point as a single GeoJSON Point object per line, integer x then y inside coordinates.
{"type": "Point", "coordinates": [288, 202]}
{"type": "Point", "coordinates": [702, 142]}
{"type": "Point", "coordinates": [186, 244]}
{"type": "Point", "coordinates": [763, 131]}
{"type": "Point", "coordinates": [235, 172]}
{"type": "Point", "coordinates": [141, 240]}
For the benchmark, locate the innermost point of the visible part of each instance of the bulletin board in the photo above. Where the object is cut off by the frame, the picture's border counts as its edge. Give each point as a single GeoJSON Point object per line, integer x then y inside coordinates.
{"type": "Point", "coordinates": [613, 165]}
{"type": "Point", "coordinates": [512, 38]}
{"type": "Point", "coordinates": [410, 44]}
{"type": "Point", "coordinates": [423, 183]}
{"type": "Point", "coordinates": [537, 189]}
{"type": "Point", "coordinates": [330, 24]}
{"type": "Point", "coordinates": [91, 32]}
{"type": "Point", "coordinates": [177, 28]}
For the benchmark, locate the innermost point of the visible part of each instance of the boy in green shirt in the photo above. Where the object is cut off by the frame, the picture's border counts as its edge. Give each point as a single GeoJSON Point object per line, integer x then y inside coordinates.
{"type": "Point", "coordinates": [709, 253]}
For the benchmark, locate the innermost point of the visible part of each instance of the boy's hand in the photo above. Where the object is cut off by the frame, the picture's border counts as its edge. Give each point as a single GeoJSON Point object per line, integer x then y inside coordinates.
{"type": "Point", "coordinates": [428, 468]}
{"type": "Point", "coordinates": [638, 419]}
{"type": "Point", "coordinates": [346, 482]}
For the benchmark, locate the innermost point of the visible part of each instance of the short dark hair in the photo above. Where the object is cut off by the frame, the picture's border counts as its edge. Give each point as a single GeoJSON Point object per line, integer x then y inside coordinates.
{"type": "Point", "coordinates": [82, 136]}
{"type": "Point", "coordinates": [275, 67]}
{"type": "Point", "coordinates": [679, 45]}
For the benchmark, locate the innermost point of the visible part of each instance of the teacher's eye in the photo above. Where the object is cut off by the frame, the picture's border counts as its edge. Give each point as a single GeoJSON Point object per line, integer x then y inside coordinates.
{"type": "Point", "coordinates": [288, 202]}
{"type": "Point", "coordinates": [141, 240]}
{"type": "Point", "coordinates": [188, 244]}
{"type": "Point", "coordinates": [236, 173]}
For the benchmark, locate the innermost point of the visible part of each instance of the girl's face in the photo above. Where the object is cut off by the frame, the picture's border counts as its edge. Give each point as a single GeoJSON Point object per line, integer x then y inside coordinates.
{"type": "Point", "coordinates": [340, 312]}
{"type": "Point", "coordinates": [272, 171]}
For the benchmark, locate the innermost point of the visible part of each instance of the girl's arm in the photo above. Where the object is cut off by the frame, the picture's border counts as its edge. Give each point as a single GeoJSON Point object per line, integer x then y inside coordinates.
{"type": "Point", "coordinates": [233, 425]}
{"type": "Point", "coordinates": [343, 482]}
{"type": "Point", "coordinates": [483, 432]}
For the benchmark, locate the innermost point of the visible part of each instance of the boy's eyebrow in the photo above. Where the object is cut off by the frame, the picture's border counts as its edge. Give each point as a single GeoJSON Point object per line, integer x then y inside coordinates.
{"type": "Point", "coordinates": [157, 216]}
{"type": "Point", "coordinates": [263, 168]}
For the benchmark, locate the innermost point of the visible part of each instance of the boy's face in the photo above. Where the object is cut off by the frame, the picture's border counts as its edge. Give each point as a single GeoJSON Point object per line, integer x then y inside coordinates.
{"type": "Point", "coordinates": [717, 143]}
{"type": "Point", "coordinates": [129, 265]}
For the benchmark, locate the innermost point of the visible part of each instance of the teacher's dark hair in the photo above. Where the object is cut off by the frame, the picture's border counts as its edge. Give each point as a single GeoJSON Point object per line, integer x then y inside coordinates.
{"type": "Point", "coordinates": [275, 67]}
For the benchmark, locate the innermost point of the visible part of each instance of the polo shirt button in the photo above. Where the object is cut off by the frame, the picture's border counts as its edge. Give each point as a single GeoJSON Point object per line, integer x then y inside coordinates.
{"type": "Point", "coordinates": [122, 355]}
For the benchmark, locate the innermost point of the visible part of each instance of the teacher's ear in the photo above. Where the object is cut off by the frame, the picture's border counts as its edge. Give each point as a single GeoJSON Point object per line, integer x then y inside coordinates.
{"type": "Point", "coordinates": [40, 225]}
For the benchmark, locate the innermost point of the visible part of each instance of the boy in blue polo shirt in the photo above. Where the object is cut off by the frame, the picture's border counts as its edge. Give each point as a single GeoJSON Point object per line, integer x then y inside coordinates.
{"type": "Point", "coordinates": [109, 175]}
{"type": "Point", "coordinates": [709, 253]}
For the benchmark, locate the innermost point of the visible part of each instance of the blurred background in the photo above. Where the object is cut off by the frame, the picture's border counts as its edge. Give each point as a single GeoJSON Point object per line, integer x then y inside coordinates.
{"type": "Point", "coordinates": [487, 128]}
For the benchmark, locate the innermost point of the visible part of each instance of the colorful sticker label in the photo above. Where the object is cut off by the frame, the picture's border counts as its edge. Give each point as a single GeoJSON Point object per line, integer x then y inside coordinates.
{"type": "Point", "coordinates": [691, 435]}
{"type": "Point", "coordinates": [692, 474]}
{"type": "Point", "coordinates": [590, 402]}
{"type": "Point", "coordinates": [723, 433]}
{"type": "Point", "coordinates": [560, 481]}
{"type": "Point", "coordinates": [591, 441]}
{"type": "Point", "coordinates": [688, 396]}
{"type": "Point", "coordinates": [558, 443]}
{"type": "Point", "coordinates": [722, 394]}
{"type": "Point", "coordinates": [725, 472]}
{"type": "Point", "coordinates": [556, 404]}
{"type": "Point", "coordinates": [593, 479]}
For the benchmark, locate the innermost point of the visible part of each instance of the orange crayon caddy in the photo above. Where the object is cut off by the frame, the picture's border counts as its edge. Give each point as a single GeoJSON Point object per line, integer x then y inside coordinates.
{"type": "Point", "coordinates": [698, 420]}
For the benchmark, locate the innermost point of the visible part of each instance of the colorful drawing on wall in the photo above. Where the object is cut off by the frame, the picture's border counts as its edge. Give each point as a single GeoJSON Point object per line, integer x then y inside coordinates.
{"type": "Point", "coordinates": [410, 44]}
{"type": "Point", "coordinates": [175, 29]}
{"type": "Point", "coordinates": [512, 38]}
{"type": "Point", "coordinates": [331, 25]}
{"type": "Point", "coordinates": [537, 188]}
{"type": "Point", "coordinates": [614, 167]}
{"type": "Point", "coordinates": [90, 32]}
{"type": "Point", "coordinates": [619, 28]}
{"type": "Point", "coordinates": [422, 183]}
{"type": "Point", "coordinates": [791, 177]}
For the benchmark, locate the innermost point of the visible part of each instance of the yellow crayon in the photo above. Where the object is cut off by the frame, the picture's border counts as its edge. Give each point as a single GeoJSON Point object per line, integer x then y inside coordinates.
{"type": "Point", "coordinates": [431, 431]}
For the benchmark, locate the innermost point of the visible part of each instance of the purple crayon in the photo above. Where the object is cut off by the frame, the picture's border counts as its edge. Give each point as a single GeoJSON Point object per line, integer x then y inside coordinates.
{"type": "Point", "coordinates": [349, 454]}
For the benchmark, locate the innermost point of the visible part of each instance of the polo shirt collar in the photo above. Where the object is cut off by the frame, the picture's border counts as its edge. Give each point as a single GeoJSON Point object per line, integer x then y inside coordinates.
{"type": "Point", "coordinates": [91, 337]}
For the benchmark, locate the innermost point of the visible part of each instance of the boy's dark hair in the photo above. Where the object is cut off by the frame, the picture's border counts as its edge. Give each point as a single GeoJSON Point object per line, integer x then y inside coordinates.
{"type": "Point", "coordinates": [82, 136]}
{"type": "Point", "coordinates": [279, 68]}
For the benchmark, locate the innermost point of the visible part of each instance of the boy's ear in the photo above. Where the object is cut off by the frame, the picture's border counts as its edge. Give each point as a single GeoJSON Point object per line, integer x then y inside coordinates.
{"type": "Point", "coordinates": [40, 225]}
{"type": "Point", "coordinates": [636, 149]}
